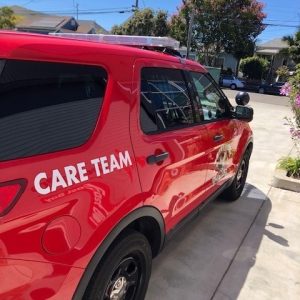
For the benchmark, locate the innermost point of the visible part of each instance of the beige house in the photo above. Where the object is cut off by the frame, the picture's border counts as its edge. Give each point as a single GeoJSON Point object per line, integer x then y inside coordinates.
{"type": "Point", "coordinates": [272, 51]}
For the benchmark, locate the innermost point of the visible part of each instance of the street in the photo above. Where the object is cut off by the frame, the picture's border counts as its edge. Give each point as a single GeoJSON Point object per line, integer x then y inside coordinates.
{"type": "Point", "coordinates": [261, 98]}
{"type": "Point", "coordinates": [248, 249]}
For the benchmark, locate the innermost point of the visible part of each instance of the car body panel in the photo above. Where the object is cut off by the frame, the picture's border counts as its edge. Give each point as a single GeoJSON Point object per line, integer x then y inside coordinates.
{"type": "Point", "coordinates": [21, 279]}
{"type": "Point", "coordinates": [176, 185]}
{"type": "Point", "coordinates": [273, 88]}
{"type": "Point", "coordinates": [53, 237]}
{"type": "Point", "coordinates": [229, 80]}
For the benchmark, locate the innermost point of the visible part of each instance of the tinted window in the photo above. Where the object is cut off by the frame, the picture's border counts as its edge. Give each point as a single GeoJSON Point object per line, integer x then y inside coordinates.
{"type": "Point", "coordinates": [47, 107]}
{"type": "Point", "coordinates": [212, 102]}
{"type": "Point", "coordinates": [165, 103]}
{"type": "Point", "coordinates": [228, 77]}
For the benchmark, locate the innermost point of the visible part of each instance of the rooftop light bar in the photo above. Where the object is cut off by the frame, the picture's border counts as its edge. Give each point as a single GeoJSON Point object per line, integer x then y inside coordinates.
{"type": "Point", "coordinates": [129, 40]}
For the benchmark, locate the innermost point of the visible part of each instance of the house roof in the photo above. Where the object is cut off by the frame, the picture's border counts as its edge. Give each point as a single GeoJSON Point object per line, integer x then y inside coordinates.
{"type": "Point", "coordinates": [268, 51]}
{"type": "Point", "coordinates": [273, 44]}
{"type": "Point", "coordinates": [43, 22]}
{"type": "Point", "coordinates": [30, 19]}
{"type": "Point", "coordinates": [19, 10]}
{"type": "Point", "coordinates": [271, 47]}
{"type": "Point", "coordinates": [86, 26]}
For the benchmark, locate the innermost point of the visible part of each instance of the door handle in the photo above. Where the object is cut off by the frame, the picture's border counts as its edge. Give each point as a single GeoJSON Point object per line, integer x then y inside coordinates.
{"type": "Point", "coordinates": [218, 137]}
{"type": "Point", "coordinates": [154, 159]}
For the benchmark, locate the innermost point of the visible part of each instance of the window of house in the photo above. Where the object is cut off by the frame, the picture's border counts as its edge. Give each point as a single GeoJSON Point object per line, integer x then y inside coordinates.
{"type": "Point", "coordinates": [165, 102]}
{"type": "Point", "coordinates": [47, 107]}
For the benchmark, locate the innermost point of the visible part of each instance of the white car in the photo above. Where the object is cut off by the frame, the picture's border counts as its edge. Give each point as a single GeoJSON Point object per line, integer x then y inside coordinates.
{"type": "Point", "coordinates": [232, 82]}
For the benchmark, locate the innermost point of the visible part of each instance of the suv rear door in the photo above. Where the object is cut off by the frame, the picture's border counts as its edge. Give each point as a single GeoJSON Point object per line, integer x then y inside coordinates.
{"type": "Point", "coordinates": [169, 144]}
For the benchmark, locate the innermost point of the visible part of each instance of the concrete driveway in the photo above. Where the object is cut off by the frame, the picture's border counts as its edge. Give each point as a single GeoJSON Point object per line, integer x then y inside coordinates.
{"type": "Point", "coordinates": [248, 249]}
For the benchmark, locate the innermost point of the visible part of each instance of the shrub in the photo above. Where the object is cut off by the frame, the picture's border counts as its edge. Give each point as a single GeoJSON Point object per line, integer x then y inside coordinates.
{"type": "Point", "coordinates": [291, 165]}
{"type": "Point", "coordinates": [254, 67]}
{"type": "Point", "coordinates": [292, 89]}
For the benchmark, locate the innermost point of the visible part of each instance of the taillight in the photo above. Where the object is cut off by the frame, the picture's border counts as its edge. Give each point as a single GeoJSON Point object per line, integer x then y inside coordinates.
{"type": "Point", "coordinates": [10, 192]}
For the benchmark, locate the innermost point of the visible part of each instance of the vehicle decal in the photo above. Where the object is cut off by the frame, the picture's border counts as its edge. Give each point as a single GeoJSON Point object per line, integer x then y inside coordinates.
{"type": "Point", "coordinates": [223, 155]}
{"type": "Point", "coordinates": [73, 174]}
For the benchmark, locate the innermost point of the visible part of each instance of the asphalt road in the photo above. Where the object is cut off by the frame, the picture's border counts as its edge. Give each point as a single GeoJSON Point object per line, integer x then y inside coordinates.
{"type": "Point", "coordinates": [261, 98]}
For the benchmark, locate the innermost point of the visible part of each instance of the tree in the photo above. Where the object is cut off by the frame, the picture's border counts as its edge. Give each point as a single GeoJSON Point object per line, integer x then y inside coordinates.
{"type": "Point", "coordinates": [220, 25]}
{"type": "Point", "coordinates": [254, 67]}
{"type": "Point", "coordinates": [144, 22]}
{"type": "Point", "coordinates": [294, 46]}
{"type": "Point", "coordinates": [7, 18]}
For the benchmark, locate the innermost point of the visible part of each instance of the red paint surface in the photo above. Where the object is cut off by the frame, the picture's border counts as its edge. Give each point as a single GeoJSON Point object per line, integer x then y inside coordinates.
{"type": "Point", "coordinates": [41, 254]}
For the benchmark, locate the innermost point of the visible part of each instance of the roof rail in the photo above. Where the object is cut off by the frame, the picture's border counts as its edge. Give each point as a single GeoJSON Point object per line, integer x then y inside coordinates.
{"type": "Point", "coordinates": [128, 40]}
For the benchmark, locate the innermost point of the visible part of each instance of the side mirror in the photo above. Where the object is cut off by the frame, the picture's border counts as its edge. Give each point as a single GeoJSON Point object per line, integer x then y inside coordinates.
{"type": "Point", "coordinates": [244, 113]}
{"type": "Point", "coordinates": [242, 98]}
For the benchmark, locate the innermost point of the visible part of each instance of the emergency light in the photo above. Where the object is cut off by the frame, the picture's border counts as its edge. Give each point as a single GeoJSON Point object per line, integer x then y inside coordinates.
{"type": "Point", "coordinates": [128, 40]}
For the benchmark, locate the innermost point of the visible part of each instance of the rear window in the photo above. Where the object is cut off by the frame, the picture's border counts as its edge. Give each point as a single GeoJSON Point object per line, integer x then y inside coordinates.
{"type": "Point", "coordinates": [47, 107]}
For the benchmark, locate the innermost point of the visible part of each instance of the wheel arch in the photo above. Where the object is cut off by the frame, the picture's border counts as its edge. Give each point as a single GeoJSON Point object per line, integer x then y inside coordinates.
{"type": "Point", "coordinates": [249, 146]}
{"type": "Point", "coordinates": [245, 144]}
{"type": "Point", "coordinates": [146, 220]}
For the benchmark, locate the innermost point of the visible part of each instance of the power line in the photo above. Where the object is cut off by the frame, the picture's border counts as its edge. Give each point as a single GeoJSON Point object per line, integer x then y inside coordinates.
{"type": "Point", "coordinates": [83, 12]}
{"type": "Point", "coordinates": [285, 21]}
{"type": "Point", "coordinates": [281, 25]}
{"type": "Point", "coordinates": [98, 10]}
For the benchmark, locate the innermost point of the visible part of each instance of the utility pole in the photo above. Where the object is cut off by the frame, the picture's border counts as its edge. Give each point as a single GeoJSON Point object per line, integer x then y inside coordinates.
{"type": "Point", "coordinates": [77, 5]}
{"type": "Point", "coordinates": [136, 6]}
{"type": "Point", "coordinates": [190, 33]}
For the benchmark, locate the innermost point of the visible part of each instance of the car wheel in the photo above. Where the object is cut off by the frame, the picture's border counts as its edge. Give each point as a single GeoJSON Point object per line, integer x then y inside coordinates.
{"type": "Point", "coordinates": [261, 90]}
{"type": "Point", "coordinates": [124, 272]}
{"type": "Point", "coordinates": [234, 191]}
{"type": "Point", "coordinates": [233, 86]}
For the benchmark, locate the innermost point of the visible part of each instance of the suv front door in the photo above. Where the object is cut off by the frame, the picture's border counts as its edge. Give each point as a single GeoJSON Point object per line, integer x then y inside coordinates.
{"type": "Point", "coordinates": [169, 145]}
{"type": "Point", "coordinates": [215, 113]}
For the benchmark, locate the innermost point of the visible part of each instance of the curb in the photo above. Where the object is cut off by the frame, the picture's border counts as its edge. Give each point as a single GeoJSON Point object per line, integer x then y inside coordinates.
{"type": "Point", "coordinates": [280, 180]}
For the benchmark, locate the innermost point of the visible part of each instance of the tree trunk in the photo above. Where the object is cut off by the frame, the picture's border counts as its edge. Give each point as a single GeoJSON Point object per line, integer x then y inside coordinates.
{"type": "Point", "coordinates": [237, 67]}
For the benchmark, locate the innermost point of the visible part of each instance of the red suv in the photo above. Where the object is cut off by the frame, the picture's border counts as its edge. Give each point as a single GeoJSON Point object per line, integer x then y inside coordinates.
{"type": "Point", "coordinates": [104, 151]}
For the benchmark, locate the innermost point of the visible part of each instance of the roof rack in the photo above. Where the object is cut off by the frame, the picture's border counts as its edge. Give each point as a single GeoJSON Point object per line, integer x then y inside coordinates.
{"type": "Point", "coordinates": [163, 44]}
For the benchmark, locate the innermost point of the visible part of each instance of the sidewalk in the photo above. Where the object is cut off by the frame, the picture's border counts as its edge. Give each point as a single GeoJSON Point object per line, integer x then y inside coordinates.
{"type": "Point", "coordinates": [267, 263]}
{"type": "Point", "coordinates": [275, 267]}
{"type": "Point", "coordinates": [248, 249]}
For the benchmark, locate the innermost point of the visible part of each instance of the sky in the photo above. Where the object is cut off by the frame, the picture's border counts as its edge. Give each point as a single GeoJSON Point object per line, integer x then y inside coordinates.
{"type": "Point", "coordinates": [280, 12]}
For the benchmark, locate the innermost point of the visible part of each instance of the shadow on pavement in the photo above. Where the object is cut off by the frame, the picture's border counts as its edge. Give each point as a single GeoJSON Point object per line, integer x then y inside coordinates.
{"type": "Point", "coordinates": [196, 260]}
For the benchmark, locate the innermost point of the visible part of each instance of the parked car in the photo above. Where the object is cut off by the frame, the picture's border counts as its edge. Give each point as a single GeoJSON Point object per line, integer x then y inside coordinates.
{"type": "Point", "coordinates": [232, 82]}
{"type": "Point", "coordinates": [105, 150]}
{"type": "Point", "coordinates": [273, 88]}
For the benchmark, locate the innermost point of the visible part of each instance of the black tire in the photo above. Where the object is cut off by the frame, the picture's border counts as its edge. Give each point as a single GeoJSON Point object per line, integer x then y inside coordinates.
{"type": "Point", "coordinates": [233, 86]}
{"type": "Point", "coordinates": [234, 191]}
{"type": "Point", "coordinates": [124, 271]}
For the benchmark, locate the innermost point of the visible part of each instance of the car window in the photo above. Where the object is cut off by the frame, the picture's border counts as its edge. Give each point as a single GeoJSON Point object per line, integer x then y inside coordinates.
{"type": "Point", "coordinates": [278, 84]}
{"type": "Point", "coordinates": [228, 77]}
{"type": "Point", "coordinates": [46, 107]}
{"type": "Point", "coordinates": [165, 102]}
{"type": "Point", "coordinates": [212, 103]}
